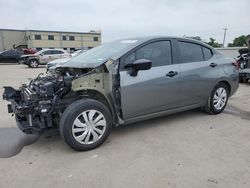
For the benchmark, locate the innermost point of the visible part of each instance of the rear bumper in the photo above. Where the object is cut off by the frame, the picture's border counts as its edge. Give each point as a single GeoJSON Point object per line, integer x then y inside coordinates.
{"type": "Point", "coordinates": [234, 88]}
{"type": "Point", "coordinates": [234, 83]}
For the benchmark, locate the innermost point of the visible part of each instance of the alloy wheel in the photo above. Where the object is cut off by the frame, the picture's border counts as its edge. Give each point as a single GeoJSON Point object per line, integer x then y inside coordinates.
{"type": "Point", "coordinates": [33, 63]}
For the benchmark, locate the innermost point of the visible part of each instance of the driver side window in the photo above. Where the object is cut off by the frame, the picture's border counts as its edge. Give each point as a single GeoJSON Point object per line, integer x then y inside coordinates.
{"type": "Point", "coordinates": [158, 52]}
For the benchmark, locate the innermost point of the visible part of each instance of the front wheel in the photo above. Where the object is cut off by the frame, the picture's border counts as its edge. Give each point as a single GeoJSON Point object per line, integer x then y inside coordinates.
{"type": "Point", "coordinates": [33, 63]}
{"type": "Point", "coordinates": [85, 124]}
{"type": "Point", "coordinates": [217, 101]}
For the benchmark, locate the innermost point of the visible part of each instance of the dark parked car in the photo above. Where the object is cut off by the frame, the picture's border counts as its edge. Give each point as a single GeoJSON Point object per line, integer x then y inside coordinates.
{"type": "Point", "coordinates": [10, 56]}
{"type": "Point", "coordinates": [122, 82]}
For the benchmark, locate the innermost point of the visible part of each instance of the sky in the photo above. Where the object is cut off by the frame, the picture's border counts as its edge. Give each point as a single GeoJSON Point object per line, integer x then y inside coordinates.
{"type": "Point", "coordinates": [130, 18]}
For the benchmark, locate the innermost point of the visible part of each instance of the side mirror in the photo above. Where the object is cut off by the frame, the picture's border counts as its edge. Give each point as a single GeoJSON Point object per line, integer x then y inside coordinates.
{"type": "Point", "coordinates": [140, 64]}
{"type": "Point", "coordinates": [41, 54]}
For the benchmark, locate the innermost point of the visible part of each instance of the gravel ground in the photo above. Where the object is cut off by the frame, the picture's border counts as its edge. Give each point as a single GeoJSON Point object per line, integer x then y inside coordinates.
{"type": "Point", "coordinates": [190, 149]}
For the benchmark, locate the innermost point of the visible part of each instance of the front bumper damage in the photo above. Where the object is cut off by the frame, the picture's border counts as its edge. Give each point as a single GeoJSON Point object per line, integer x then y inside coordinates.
{"type": "Point", "coordinates": [31, 114]}
{"type": "Point", "coordinates": [39, 105]}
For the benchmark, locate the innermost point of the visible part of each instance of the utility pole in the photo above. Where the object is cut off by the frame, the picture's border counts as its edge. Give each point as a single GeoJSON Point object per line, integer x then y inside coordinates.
{"type": "Point", "coordinates": [224, 38]}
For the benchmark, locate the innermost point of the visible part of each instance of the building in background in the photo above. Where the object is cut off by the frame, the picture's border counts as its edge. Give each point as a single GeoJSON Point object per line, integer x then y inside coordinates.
{"type": "Point", "coordinates": [40, 39]}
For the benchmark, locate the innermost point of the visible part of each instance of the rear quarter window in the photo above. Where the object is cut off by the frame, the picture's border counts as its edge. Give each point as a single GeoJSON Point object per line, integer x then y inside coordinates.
{"type": "Point", "coordinates": [207, 53]}
{"type": "Point", "coordinates": [190, 52]}
{"type": "Point", "coordinates": [47, 52]}
{"type": "Point", "coordinates": [57, 52]}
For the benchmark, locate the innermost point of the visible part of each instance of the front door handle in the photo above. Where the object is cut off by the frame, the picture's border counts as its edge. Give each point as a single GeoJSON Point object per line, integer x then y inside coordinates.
{"type": "Point", "coordinates": [171, 74]}
{"type": "Point", "coordinates": [213, 64]}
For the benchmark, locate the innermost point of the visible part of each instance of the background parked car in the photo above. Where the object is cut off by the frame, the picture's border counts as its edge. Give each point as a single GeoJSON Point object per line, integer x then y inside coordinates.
{"type": "Point", "coordinates": [10, 56]}
{"type": "Point", "coordinates": [53, 64]}
{"type": "Point", "coordinates": [29, 51]}
{"type": "Point", "coordinates": [77, 52]}
{"type": "Point", "coordinates": [244, 63]}
{"type": "Point", "coordinates": [43, 57]}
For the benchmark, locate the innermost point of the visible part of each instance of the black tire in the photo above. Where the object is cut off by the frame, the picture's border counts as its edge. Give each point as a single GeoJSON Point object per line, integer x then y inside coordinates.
{"type": "Point", "coordinates": [210, 106]}
{"type": "Point", "coordinates": [73, 112]}
{"type": "Point", "coordinates": [245, 80]}
{"type": "Point", "coordinates": [33, 63]}
{"type": "Point", "coordinates": [241, 79]}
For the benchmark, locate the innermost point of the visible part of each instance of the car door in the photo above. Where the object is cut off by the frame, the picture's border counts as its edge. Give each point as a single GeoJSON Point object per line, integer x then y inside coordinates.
{"type": "Point", "coordinates": [54, 55]}
{"type": "Point", "coordinates": [152, 90]}
{"type": "Point", "coordinates": [197, 72]}
{"type": "Point", "coordinates": [45, 56]}
{"type": "Point", "coordinates": [57, 54]}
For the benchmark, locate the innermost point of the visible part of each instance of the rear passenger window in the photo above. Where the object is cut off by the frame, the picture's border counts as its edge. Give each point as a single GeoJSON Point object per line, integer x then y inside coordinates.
{"type": "Point", "coordinates": [207, 53]}
{"type": "Point", "coordinates": [190, 52]}
{"type": "Point", "coordinates": [158, 52]}
{"type": "Point", "coordinates": [48, 52]}
{"type": "Point", "coordinates": [57, 52]}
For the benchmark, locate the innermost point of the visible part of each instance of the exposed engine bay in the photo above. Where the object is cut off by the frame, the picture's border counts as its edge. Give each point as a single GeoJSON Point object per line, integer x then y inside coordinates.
{"type": "Point", "coordinates": [38, 105]}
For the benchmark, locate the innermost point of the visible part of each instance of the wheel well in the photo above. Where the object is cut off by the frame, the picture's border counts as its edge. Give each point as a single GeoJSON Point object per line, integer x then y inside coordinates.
{"type": "Point", "coordinates": [93, 94]}
{"type": "Point", "coordinates": [33, 59]}
{"type": "Point", "coordinates": [228, 85]}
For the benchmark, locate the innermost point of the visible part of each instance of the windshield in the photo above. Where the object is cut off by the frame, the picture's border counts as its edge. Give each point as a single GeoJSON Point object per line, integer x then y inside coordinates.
{"type": "Point", "coordinates": [38, 53]}
{"type": "Point", "coordinates": [100, 54]}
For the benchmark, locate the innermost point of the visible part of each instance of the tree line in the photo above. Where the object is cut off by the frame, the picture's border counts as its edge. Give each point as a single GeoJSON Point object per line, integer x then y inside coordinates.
{"type": "Point", "coordinates": [237, 42]}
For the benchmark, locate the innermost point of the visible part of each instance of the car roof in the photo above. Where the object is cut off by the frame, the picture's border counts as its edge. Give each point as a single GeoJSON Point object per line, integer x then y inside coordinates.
{"type": "Point", "coordinates": [141, 40]}
{"type": "Point", "coordinates": [44, 50]}
{"type": "Point", "coordinates": [51, 49]}
{"type": "Point", "coordinates": [158, 37]}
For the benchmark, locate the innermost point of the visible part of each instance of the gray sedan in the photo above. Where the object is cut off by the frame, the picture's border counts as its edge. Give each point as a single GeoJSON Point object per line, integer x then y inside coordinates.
{"type": "Point", "coordinates": [122, 82]}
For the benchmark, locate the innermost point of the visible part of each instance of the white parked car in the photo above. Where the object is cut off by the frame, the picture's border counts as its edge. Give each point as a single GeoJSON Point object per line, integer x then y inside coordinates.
{"type": "Point", "coordinates": [43, 57]}
{"type": "Point", "coordinates": [55, 63]}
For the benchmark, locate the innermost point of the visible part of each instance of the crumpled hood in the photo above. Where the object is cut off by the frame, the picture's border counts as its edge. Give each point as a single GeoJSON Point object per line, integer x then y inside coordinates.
{"type": "Point", "coordinates": [83, 65]}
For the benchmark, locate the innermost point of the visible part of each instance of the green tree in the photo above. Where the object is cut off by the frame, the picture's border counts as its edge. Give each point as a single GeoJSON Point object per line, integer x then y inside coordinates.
{"type": "Point", "coordinates": [196, 38]}
{"type": "Point", "coordinates": [212, 42]}
{"type": "Point", "coordinates": [238, 41]}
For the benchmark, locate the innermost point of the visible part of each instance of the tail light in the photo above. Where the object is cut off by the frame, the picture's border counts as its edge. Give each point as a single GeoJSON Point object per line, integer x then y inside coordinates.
{"type": "Point", "coordinates": [236, 64]}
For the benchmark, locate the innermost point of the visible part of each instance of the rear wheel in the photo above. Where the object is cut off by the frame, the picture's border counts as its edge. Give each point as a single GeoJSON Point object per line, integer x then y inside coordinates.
{"type": "Point", "coordinates": [33, 63]}
{"type": "Point", "coordinates": [241, 79]}
{"type": "Point", "coordinates": [217, 101]}
{"type": "Point", "coordinates": [85, 124]}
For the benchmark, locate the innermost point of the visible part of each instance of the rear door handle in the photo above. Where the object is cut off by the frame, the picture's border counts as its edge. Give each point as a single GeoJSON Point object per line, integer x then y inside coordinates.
{"type": "Point", "coordinates": [171, 74]}
{"type": "Point", "coordinates": [213, 64]}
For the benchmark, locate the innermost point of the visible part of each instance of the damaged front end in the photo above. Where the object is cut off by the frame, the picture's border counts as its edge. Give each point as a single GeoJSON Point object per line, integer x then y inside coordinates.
{"type": "Point", "coordinates": [39, 105]}
{"type": "Point", "coordinates": [36, 106]}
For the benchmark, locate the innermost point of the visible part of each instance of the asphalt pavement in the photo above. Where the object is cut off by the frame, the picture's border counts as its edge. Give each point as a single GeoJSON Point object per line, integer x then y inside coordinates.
{"type": "Point", "coordinates": [189, 149]}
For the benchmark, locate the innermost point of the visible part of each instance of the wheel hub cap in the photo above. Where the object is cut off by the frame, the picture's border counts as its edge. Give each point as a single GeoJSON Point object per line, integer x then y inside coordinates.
{"type": "Point", "coordinates": [220, 98]}
{"type": "Point", "coordinates": [89, 127]}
